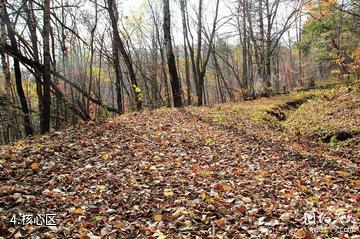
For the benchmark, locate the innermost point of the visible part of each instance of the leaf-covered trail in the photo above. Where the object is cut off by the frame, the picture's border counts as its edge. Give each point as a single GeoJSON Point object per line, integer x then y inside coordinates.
{"type": "Point", "coordinates": [172, 173]}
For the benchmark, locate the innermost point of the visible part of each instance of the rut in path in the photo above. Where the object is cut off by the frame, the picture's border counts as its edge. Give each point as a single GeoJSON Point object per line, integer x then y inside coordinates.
{"type": "Point", "coordinates": [173, 172]}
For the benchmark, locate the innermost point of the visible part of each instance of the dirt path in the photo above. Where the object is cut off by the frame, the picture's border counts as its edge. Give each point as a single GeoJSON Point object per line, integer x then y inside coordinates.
{"type": "Point", "coordinates": [173, 173]}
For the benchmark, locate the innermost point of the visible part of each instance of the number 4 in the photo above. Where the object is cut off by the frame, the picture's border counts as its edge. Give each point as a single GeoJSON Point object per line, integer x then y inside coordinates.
{"type": "Point", "coordinates": [13, 220]}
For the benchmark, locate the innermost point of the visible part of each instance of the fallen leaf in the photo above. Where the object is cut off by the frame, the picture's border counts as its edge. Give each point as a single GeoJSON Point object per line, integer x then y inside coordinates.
{"type": "Point", "coordinates": [203, 196]}
{"type": "Point", "coordinates": [179, 212]}
{"type": "Point", "coordinates": [236, 170]}
{"type": "Point", "coordinates": [288, 196]}
{"type": "Point", "coordinates": [343, 173]}
{"type": "Point", "coordinates": [327, 180]}
{"type": "Point", "coordinates": [162, 236]}
{"type": "Point", "coordinates": [246, 200]}
{"type": "Point", "coordinates": [100, 187]}
{"type": "Point", "coordinates": [168, 192]}
{"type": "Point", "coordinates": [220, 222]}
{"type": "Point", "coordinates": [219, 187]}
{"type": "Point", "coordinates": [300, 233]}
{"type": "Point", "coordinates": [356, 197]}
{"type": "Point", "coordinates": [105, 157]}
{"type": "Point", "coordinates": [285, 217]}
{"type": "Point", "coordinates": [133, 181]}
{"type": "Point", "coordinates": [304, 188]}
{"type": "Point", "coordinates": [83, 233]}
{"type": "Point", "coordinates": [209, 200]}
{"type": "Point", "coordinates": [217, 196]}
{"type": "Point", "coordinates": [79, 211]}
{"type": "Point", "coordinates": [35, 166]}
{"type": "Point", "coordinates": [357, 182]}
{"type": "Point", "coordinates": [241, 209]}
{"type": "Point", "coordinates": [157, 217]}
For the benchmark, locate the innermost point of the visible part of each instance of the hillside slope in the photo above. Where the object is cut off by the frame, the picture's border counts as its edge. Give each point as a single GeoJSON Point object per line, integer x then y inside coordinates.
{"type": "Point", "coordinates": [228, 171]}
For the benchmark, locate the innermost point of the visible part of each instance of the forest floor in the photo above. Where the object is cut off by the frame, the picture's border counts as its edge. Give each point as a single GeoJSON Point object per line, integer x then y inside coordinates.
{"type": "Point", "coordinates": [253, 169]}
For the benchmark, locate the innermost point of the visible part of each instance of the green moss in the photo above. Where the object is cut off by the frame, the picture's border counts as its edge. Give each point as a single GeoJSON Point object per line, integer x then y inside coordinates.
{"type": "Point", "coordinates": [334, 142]}
{"type": "Point", "coordinates": [332, 108]}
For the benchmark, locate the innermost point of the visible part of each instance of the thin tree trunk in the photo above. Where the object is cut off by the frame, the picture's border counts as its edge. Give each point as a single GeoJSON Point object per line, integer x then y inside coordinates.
{"type": "Point", "coordinates": [92, 33]}
{"type": "Point", "coordinates": [31, 21]}
{"type": "Point", "coordinates": [8, 131]}
{"type": "Point", "coordinates": [174, 78]}
{"type": "Point", "coordinates": [19, 88]}
{"type": "Point", "coordinates": [202, 65]}
{"type": "Point", "coordinates": [125, 55]}
{"type": "Point", "coordinates": [221, 76]}
{"type": "Point", "coordinates": [154, 74]}
{"type": "Point", "coordinates": [45, 124]}
{"type": "Point", "coordinates": [183, 4]}
{"type": "Point", "coordinates": [118, 74]}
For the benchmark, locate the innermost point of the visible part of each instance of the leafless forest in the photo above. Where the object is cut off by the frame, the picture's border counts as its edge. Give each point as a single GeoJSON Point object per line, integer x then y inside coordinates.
{"type": "Point", "coordinates": [65, 62]}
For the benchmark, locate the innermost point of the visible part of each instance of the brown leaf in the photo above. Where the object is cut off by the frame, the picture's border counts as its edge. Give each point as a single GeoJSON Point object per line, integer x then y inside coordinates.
{"type": "Point", "coordinates": [35, 166]}
{"type": "Point", "coordinates": [241, 209]}
{"type": "Point", "coordinates": [220, 222]}
{"type": "Point", "coordinates": [303, 234]}
{"type": "Point", "coordinates": [288, 196]}
{"type": "Point", "coordinates": [105, 157]}
{"type": "Point", "coordinates": [219, 187]}
{"type": "Point", "coordinates": [357, 182]}
{"type": "Point", "coordinates": [327, 180]}
{"type": "Point", "coordinates": [342, 173]}
{"type": "Point", "coordinates": [79, 211]}
{"type": "Point", "coordinates": [157, 217]}
{"type": "Point", "coordinates": [300, 234]}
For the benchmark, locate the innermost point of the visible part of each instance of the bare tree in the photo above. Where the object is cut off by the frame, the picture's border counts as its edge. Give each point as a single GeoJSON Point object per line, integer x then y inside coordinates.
{"type": "Point", "coordinates": [199, 64]}
{"type": "Point", "coordinates": [6, 71]}
{"type": "Point", "coordinates": [174, 78]}
{"type": "Point", "coordinates": [45, 123]}
{"type": "Point", "coordinates": [18, 79]}
{"type": "Point", "coordinates": [128, 62]}
{"type": "Point", "coordinates": [183, 4]}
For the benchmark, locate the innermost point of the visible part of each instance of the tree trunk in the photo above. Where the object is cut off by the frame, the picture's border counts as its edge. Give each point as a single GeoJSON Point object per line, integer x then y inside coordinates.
{"type": "Point", "coordinates": [31, 21]}
{"type": "Point", "coordinates": [186, 56]}
{"type": "Point", "coordinates": [8, 126]}
{"type": "Point", "coordinates": [125, 55]}
{"type": "Point", "coordinates": [45, 123]}
{"type": "Point", "coordinates": [245, 49]}
{"type": "Point", "coordinates": [118, 74]}
{"type": "Point", "coordinates": [154, 74]}
{"type": "Point", "coordinates": [221, 76]}
{"type": "Point", "coordinates": [92, 53]}
{"type": "Point", "coordinates": [19, 87]}
{"type": "Point", "coordinates": [174, 78]}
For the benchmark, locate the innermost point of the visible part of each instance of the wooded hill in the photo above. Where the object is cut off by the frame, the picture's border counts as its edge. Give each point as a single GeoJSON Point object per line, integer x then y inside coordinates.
{"type": "Point", "coordinates": [229, 171]}
{"type": "Point", "coordinates": [65, 62]}
{"type": "Point", "coordinates": [179, 119]}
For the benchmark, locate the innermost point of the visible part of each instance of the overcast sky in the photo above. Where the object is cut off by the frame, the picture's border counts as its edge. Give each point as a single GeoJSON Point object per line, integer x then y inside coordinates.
{"type": "Point", "coordinates": [129, 7]}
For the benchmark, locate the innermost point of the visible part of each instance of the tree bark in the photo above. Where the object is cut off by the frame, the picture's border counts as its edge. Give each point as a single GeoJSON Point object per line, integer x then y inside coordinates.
{"type": "Point", "coordinates": [174, 78]}
{"type": "Point", "coordinates": [31, 22]}
{"type": "Point", "coordinates": [19, 88]}
{"type": "Point", "coordinates": [186, 56]}
{"type": "Point", "coordinates": [125, 55]}
{"type": "Point", "coordinates": [8, 131]}
{"type": "Point", "coordinates": [118, 73]}
{"type": "Point", "coordinates": [199, 65]}
{"type": "Point", "coordinates": [45, 123]}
